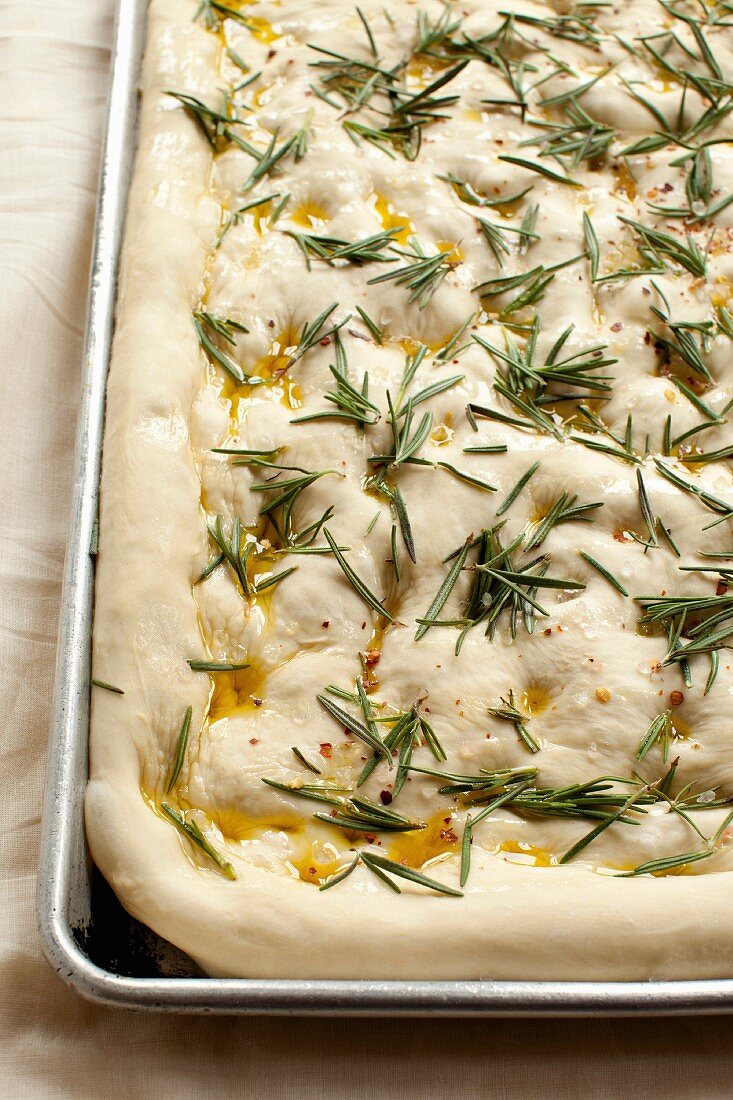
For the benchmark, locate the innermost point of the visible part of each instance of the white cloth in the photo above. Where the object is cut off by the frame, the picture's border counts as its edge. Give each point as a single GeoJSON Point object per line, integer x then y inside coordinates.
{"type": "Point", "coordinates": [54, 57]}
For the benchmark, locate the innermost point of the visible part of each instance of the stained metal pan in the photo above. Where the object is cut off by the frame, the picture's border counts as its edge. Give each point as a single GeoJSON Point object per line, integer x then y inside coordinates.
{"type": "Point", "coordinates": [87, 936]}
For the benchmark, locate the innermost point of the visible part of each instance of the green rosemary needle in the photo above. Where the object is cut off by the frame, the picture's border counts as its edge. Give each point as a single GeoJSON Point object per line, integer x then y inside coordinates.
{"type": "Point", "coordinates": [181, 744]}
{"type": "Point", "coordinates": [193, 833]}
{"type": "Point", "coordinates": [107, 687]}
{"type": "Point", "coordinates": [355, 581]}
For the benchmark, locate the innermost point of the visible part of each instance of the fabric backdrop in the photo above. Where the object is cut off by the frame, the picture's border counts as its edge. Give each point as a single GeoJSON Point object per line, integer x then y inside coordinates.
{"type": "Point", "coordinates": [54, 57]}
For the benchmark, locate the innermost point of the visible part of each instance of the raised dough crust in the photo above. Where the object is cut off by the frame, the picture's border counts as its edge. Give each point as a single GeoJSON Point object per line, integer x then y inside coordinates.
{"type": "Point", "coordinates": [166, 410]}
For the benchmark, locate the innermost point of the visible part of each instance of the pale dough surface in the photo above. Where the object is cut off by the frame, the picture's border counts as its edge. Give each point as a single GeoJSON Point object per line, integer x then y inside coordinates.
{"type": "Point", "coordinates": [162, 483]}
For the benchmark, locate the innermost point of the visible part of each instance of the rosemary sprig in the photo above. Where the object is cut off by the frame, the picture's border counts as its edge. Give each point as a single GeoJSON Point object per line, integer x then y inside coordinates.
{"type": "Point", "coordinates": [515, 491]}
{"type": "Point", "coordinates": [214, 125]}
{"type": "Point", "coordinates": [328, 793]}
{"type": "Point", "coordinates": [342, 874]}
{"type": "Point", "coordinates": [217, 666]}
{"type": "Point", "coordinates": [564, 510]}
{"type": "Point", "coordinates": [592, 246]}
{"type": "Point", "coordinates": [313, 332]}
{"type": "Point", "coordinates": [192, 832]}
{"type": "Point", "coordinates": [107, 687]}
{"type": "Point", "coordinates": [712, 619]}
{"type": "Point", "coordinates": [646, 510]}
{"type": "Point", "coordinates": [422, 275]}
{"type": "Point", "coordinates": [332, 249]}
{"type": "Point", "coordinates": [355, 581]}
{"type": "Point", "coordinates": [181, 745]}
{"type": "Point", "coordinates": [540, 169]}
{"type": "Point", "coordinates": [444, 591]}
{"type": "Point", "coordinates": [279, 508]}
{"type": "Point", "coordinates": [466, 193]}
{"type": "Point", "coordinates": [233, 552]}
{"type": "Point", "coordinates": [660, 731]}
{"type": "Point", "coordinates": [508, 712]}
{"type": "Point", "coordinates": [606, 573]}
{"type": "Point", "coordinates": [296, 146]}
{"type": "Point", "coordinates": [664, 247]}
{"type": "Point", "coordinates": [377, 863]}
{"type": "Point", "coordinates": [351, 403]}
{"type": "Point", "coordinates": [578, 138]}
{"type": "Point", "coordinates": [499, 585]}
{"type": "Point", "coordinates": [606, 823]}
{"type": "Point", "coordinates": [207, 327]}
{"type": "Point", "coordinates": [667, 863]}
{"type": "Point", "coordinates": [302, 759]}
{"type": "Point", "coordinates": [714, 504]}
{"type": "Point", "coordinates": [360, 815]}
{"type": "Point", "coordinates": [366, 733]}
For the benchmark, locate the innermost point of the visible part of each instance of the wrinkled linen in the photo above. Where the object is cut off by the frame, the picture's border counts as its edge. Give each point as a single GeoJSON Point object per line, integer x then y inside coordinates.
{"type": "Point", "coordinates": [54, 59]}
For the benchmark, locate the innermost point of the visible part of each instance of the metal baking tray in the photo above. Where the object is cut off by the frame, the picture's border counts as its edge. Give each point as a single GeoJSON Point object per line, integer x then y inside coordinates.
{"type": "Point", "coordinates": [86, 934]}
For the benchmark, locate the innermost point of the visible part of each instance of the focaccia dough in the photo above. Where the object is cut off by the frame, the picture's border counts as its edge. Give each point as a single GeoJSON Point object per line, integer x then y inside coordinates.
{"type": "Point", "coordinates": [589, 679]}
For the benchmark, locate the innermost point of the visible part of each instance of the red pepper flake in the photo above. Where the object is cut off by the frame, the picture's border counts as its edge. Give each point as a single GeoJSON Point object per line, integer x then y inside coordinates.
{"type": "Point", "coordinates": [448, 836]}
{"type": "Point", "coordinates": [385, 797]}
{"type": "Point", "coordinates": [256, 700]}
{"type": "Point", "coordinates": [372, 656]}
{"type": "Point", "coordinates": [721, 588]}
{"type": "Point", "coordinates": [311, 870]}
{"type": "Point", "coordinates": [254, 740]}
{"type": "Point", "coordinates": [547, 632]}
{"type": "Point", "coordinates": [676, 698]}
{"type": "Point", "coordinates": [325, 749]}
{"type": "Point", "coordinates": [617, 326]}
{"type": "Point", "coordinates": [325, 341]}
{"type": "Point", "coordinates": [326, 624]}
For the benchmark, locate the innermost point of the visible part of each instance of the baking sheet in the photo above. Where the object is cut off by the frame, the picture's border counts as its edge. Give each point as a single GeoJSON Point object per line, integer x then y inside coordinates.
{"type": "Point", "coordinates": [87, 936]}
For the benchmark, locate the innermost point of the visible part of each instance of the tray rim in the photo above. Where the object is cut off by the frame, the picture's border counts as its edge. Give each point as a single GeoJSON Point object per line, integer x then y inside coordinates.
{"type": "Point", "coordinates": [63, 799]}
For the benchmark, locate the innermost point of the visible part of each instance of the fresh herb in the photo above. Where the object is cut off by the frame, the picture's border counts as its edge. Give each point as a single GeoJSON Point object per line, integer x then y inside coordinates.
{"type": "Point", "coordinates": [332, 249]}
{"type": "Point", "coordinates": [663, 247]}
{"type": "Point", "coordinates": [360, 815]}
{"type": "Point", "coordinates": [515, 491]}
{"type": "Point", "coordinates": [355, 581]}
{"type": "Point", "coordinates": [299, 756]}
{"type": "Point", "coordinates": [540, 169]}
{"type": "Point", "coordinates": [508, 712]}
{"type": "Point", "coordinates": [216, 666]}
{"type": "Point", "coordinates": [181, 744]}
{"type": "Point", "coordinates": [379, 864]}
{"type": "Point", "coordinates": [660, 731]}
{"type": "Point", "coordinates": [107, 687]}
{"type": "Point", "coordinates": [214, 125]}
{"type": "Point", "coordinates": [564, 510]}
{"type": "Point", "coordinates": [192, 832]}
{"type": "Point", "coordinates": [606, 573]}
{"type": "Point", "coordinates": [422, 275]}
{"type": "Point", "coordinates": [592, 246]}
{"type": "Point", "coordinates": [207, 328]}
